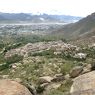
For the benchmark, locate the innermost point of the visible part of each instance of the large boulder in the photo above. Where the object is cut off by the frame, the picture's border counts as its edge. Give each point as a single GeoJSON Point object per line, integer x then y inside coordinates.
{"type": "Point", "coordinates": [76, 71]}
{"type": "Point", "coordinates": [84, 84]}
{"type": "Point", "coordinates": [93, 65]}
{"type": "Point", "coordinates": [9, 87]}
{"type": "Point", "coordinates": [45, 79]}
{"type": "Point", "coordinates": [58, 77]}
{"type": "Point", "coordinates": [87, 68]}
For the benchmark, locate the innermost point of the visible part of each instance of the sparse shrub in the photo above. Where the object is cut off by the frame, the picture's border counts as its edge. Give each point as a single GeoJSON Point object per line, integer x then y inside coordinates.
{"type": "Point", "coordinates": [40, 89]}
{"type": "Point", "coordinates": [55, 92]}
{"type": "Point", "coordinates": [10, 60]}
{"type": "Point", "coordinates": [1, 45]}
{"type": "Point", "coordinates": [93, 64]}
{"type": "Point", "coordinates": [15, 58]}
{"type": "Point", "coordinates": [47, 53]}
{"type": "Point", "coordinates": [65, 87]}
{"type": "Point", "coordinates": [3, 66]}
{"type": "Point", "coordinates": [15, 45]}
{"type": "Point", "coordinates": [65, 68]}
{"type": "Point", "coordinates": [2, 60]}
{"type": "Point", "coordinates": [64, 40]}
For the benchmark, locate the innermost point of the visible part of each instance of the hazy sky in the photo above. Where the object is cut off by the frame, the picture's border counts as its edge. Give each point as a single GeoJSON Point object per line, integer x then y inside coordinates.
{"type": "Point", "coordinates": [67, 7]}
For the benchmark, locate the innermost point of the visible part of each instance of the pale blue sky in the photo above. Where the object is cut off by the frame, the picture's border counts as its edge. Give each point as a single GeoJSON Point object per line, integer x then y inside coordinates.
{"type": "Point", "coordinates": [67, 7]}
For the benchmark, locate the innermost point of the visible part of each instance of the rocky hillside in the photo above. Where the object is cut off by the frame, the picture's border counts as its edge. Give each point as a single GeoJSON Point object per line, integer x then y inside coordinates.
{"type": "Point", "coordinates": [83, 29]}
{"type": "Point", "coordinates": [46, 68]}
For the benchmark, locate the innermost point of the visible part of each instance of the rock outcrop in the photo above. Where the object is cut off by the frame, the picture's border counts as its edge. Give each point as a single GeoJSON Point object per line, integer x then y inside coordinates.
{"type": "Point", "coordinates": [76, 71]}
{"type": "Point", "coordinates": [45, 79]}
{"type": "Point", "coordinates": [9, 87]}
{"type": "Point", "coordinates": [80, 55]}
{"type": "Point", "coordinates": [58, 46]}
{"type": "Point", "coordinates": [84, 84]}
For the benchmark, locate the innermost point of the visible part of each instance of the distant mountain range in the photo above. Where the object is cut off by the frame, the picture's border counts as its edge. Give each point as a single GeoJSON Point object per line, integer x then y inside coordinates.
{"type": "Point", "coordinates": [41, 18]}
{"type": "Point", "coordinates": [83, 30]}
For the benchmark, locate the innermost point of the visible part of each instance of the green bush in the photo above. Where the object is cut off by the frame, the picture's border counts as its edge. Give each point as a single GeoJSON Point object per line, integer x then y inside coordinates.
{"type": "Point", "coordinates": [12, 46]}
{"type": "Point", "coordinates": [10, 60]}
{"type": "Point", "coordinates": [39, 89]}
{"type": "Point", "coordinates": [2, 60]}
{"type": "Point", "coordinates": [47, 53]}
{"type": "Point", "coordinates": [55, 92]}
{"type": "Point", "coordinates": [15, 58]}
{"type": "Point", "coordinates": [65, 87]}
{"type": "Point", "coordinates": [65, 68]}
